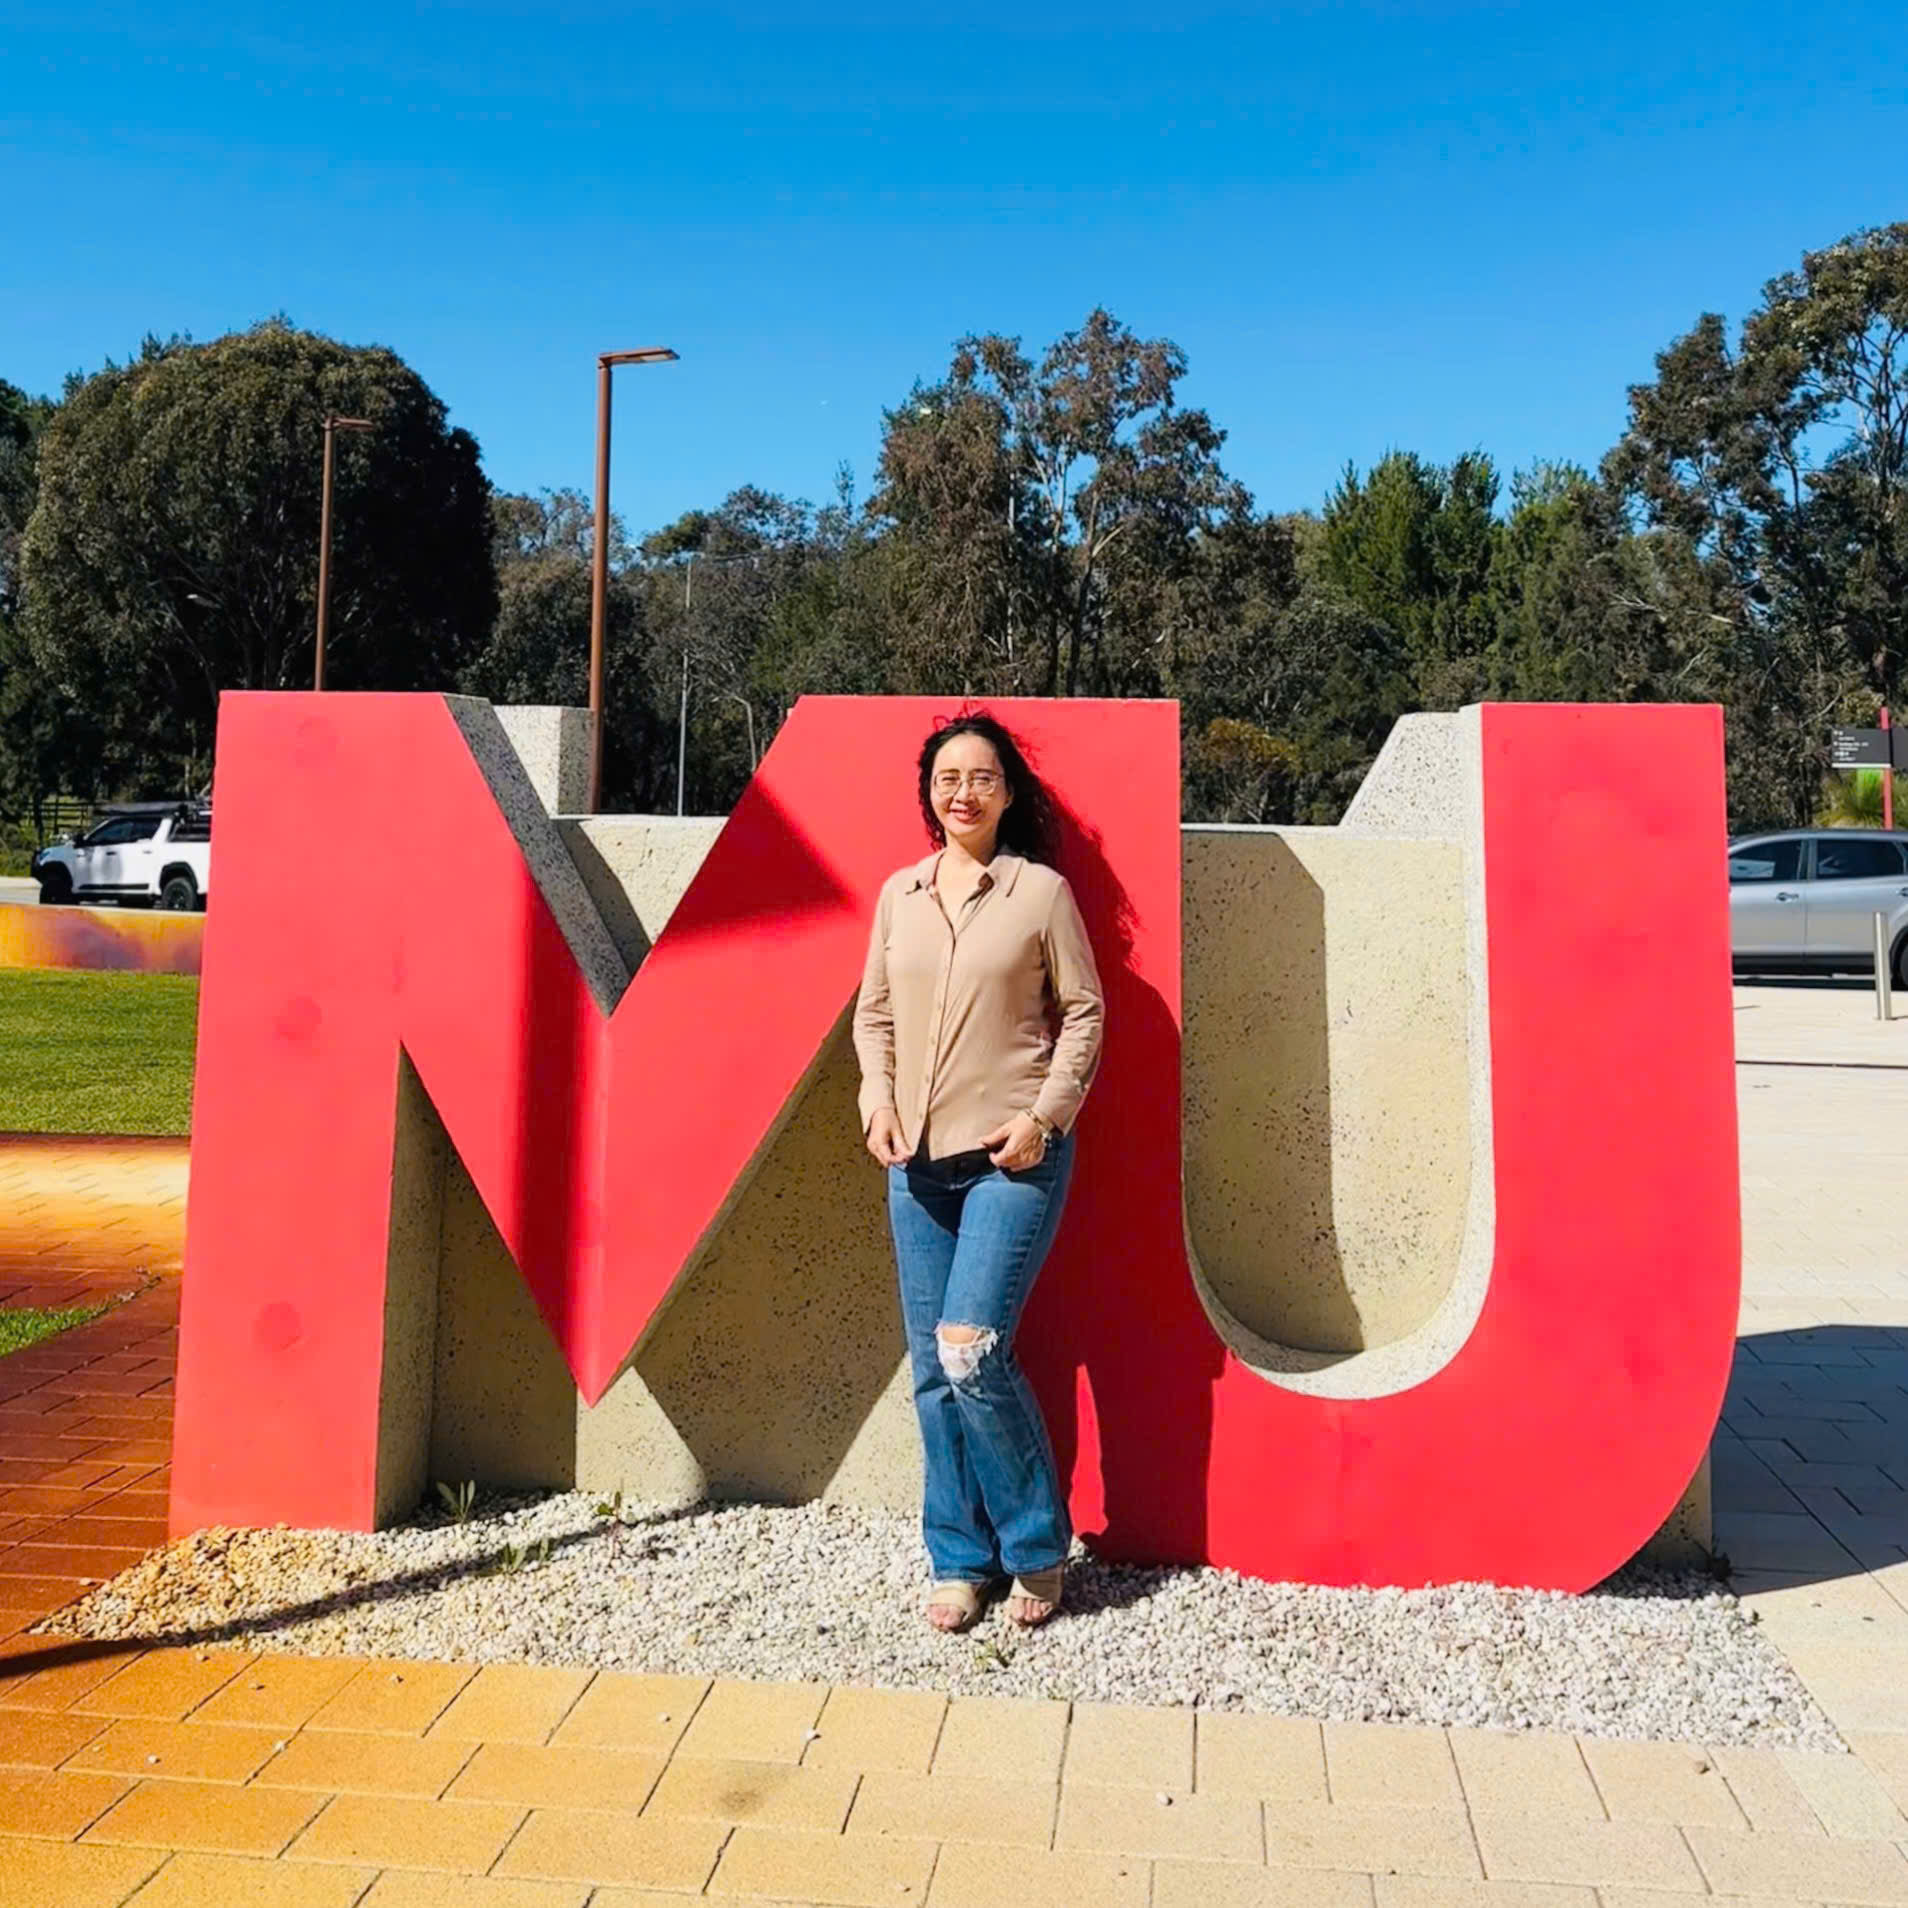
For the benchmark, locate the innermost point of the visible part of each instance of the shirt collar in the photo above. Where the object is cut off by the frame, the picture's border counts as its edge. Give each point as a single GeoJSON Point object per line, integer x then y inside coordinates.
{"type": "Point", "coordinates": [1003, 871]}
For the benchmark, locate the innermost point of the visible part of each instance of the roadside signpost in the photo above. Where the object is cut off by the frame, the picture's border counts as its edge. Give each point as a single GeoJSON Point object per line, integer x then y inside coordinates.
{"type": "Point", "coordinates": [1868, 748]}
{"type": "Point", "coordinates": [1860, 748]}
{"type": "Point", "coordinates": [1874, 749]}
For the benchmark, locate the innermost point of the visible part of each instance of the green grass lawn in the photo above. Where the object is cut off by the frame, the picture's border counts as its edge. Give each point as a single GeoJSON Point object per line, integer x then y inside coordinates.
{"type": "Point", "coordinates": [22, 1326]}
{"type": "Point", "coordinates": [96, 1053]}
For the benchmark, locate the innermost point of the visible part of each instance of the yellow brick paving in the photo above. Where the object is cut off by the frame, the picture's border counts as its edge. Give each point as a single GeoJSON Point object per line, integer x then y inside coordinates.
{"type": "Point", "coordinates": [101, 1807]}
{"type": "Point", "coordinates": [190, 1778]}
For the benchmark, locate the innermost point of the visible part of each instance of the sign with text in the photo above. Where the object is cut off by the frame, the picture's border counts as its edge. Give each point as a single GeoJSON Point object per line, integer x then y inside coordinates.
{"type": "Point", "coordinates": [1860, 748]}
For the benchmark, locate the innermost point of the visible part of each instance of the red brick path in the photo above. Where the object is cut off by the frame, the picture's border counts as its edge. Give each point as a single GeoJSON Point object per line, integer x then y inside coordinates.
{"type": "Point", "coordinates": [85, 1417]}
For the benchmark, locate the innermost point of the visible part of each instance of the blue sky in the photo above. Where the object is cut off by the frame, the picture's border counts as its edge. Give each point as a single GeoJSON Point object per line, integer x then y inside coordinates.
{"type": "Point", "coordinates": [1427, 226]}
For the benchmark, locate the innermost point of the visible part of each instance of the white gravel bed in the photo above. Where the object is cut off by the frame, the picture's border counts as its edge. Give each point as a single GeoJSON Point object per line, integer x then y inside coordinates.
{"type": "Point", "coordinates": [830, 1594]}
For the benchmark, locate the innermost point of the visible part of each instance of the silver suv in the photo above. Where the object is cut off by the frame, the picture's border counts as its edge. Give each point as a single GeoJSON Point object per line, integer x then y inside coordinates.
{"type": "Point", "coordinates": [1804, 902]}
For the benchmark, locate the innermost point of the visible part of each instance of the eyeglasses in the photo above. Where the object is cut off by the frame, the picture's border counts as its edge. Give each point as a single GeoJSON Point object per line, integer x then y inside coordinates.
{"type": "Point", "coordinates": [981, 781]}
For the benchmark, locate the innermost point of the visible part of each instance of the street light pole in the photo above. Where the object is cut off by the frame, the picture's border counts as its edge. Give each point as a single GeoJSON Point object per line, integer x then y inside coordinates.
{"type": "Point", "coordinates": [606, 362]}
{"type": "Point", "coordinates": [333, 425]}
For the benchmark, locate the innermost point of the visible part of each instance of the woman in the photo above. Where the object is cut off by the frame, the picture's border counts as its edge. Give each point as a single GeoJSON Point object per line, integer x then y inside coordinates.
{"type": "Point", "coordinates": [978, 1031]}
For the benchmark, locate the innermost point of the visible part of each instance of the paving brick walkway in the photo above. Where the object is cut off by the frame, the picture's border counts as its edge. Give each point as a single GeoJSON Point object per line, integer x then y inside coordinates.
{"type": "Point", "coordinates": [227, 1779]}
{"type": "Point", "coordinates": [187, 1778]}
{"type": "Point", "coordinates": [86, 1417]}
{"type": "Point", "coordinates": [1811, 1464]}
{"type": "Point", "coordinates": [88, 1218]}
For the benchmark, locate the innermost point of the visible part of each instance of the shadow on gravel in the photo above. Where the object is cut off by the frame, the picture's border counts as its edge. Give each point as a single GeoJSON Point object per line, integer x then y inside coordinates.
{"type": "Point", "coordinates": [57, 1655]}
{"type": "Point", "coordinates": [1095, 1586]}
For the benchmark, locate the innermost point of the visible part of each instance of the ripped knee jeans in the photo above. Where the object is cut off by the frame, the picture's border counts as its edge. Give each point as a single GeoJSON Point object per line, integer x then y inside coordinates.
{"type": "Point", "coordinates": [969, 1242]}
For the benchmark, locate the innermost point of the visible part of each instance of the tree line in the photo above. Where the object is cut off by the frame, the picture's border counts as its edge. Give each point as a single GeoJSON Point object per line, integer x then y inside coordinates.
{"type": "Point", "coordinates": [1051, 523]}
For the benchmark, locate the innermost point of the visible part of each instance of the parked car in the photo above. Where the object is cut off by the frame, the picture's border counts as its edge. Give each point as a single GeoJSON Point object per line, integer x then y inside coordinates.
{"type": "Point", "coordinates": [1804, 901]}
{"type": "Point", "coordinates": [140, 855]}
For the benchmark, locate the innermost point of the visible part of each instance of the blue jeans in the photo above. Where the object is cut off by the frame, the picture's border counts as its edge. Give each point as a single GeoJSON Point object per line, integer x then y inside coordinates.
{"type": "Point", "coordinates": [969, 1240]}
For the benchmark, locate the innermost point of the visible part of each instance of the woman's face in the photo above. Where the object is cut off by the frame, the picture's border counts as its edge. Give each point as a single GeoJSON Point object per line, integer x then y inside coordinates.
{"type": "Point", "coordinates": [969, 792]}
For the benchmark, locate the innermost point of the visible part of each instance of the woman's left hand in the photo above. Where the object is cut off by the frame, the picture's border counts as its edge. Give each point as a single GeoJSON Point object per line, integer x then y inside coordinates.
{"type": "Point", "coordinates": [1017, 1145]}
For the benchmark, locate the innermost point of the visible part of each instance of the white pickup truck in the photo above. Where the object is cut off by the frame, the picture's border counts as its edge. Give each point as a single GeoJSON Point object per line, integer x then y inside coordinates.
{"type": "Point", "coordinates": [141, 854]}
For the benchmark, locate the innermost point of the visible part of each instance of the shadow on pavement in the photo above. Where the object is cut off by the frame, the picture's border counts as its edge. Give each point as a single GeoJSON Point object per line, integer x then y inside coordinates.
{"type": "Point", "coordinates": [1810, 1477]}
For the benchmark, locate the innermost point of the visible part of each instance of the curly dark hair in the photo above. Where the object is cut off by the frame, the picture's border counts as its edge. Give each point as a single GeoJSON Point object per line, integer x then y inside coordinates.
{"type": "Point", "coordinates": [1028, 826]}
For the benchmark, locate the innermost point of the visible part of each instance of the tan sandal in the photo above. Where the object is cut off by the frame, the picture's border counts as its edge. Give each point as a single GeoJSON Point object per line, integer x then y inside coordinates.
{"type": "Point", "coordinates": [1044, 1587]}
{"type": "Point", "coordinates": [961, 1597]}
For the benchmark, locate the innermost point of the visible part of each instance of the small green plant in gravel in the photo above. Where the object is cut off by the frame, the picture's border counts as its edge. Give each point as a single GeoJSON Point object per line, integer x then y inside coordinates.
{"type": "Point", "coordinates": [517, 1557]}
{"type": "Point", "coordinates": [459, 1499]}
{"type": "Point", "coordinates": [608, 1506]}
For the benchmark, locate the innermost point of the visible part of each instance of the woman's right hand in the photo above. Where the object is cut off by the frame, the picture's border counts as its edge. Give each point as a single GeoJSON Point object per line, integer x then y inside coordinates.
{"type": "Point", "coordinates": [884, 1138]}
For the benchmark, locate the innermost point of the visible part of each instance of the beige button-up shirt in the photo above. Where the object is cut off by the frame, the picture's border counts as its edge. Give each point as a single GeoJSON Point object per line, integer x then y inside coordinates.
{"type": "Point", "coordinates": [964, 1022]}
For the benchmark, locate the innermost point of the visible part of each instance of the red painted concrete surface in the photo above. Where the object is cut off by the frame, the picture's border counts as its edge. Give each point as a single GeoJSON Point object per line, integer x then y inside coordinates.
{"type": "Point", "coordinates": [1545, 1452]}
